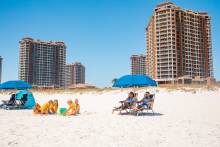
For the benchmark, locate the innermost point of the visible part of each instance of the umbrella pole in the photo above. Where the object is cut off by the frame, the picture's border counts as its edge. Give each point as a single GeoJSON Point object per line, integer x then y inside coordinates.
{"type": "Point", "coordinates": [134, 89]}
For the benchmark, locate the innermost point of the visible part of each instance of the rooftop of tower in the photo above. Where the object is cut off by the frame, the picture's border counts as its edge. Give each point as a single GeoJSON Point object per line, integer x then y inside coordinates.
{"type": "Point", "coordinates": [168, 5]}
{"type": "Point", "coordinates": [75, 63]}
{"type": "Point", "coordinates": [42, 41]}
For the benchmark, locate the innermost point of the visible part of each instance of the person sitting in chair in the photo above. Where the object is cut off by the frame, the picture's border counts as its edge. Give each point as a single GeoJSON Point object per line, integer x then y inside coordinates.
{"type": "Point", "coordinates": [22, 101]}
{"type": "Point", "coordinates": [135, 97]}
{"type": "Point", "coordinates": [10, 102]}
{"type": "Point", "coordinates": [145, 101]}
{"type": "Point", "coordinates": [129, 102]}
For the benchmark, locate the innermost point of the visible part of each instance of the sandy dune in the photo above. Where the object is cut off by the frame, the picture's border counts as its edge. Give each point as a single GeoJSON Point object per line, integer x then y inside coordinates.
{"type": "Point", "coordinates": [182, 119]}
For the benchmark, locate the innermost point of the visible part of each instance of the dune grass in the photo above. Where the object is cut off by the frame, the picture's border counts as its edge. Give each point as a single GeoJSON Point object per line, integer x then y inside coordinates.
{"type": "Point", "coordinates": [169, 87]}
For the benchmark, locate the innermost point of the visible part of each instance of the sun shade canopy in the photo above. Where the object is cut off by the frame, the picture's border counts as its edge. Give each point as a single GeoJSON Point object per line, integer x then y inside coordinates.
{"type": "Point", "coordinates": [134, 81]}
{"type": "Point", "coordinates": [17, 84]}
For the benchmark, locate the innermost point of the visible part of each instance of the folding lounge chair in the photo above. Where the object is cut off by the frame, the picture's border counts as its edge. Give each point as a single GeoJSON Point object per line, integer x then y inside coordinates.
{"type": "Point", "coordinates": [120, 109]}
{"type": "Point", "coordinates": [19, 104]}
{"type": "Point", "coordinates": [15, 107]}
{"type": "Point", "coordinates": [127, 109]}
{"type": "Point", "coordinates": [148, 107]}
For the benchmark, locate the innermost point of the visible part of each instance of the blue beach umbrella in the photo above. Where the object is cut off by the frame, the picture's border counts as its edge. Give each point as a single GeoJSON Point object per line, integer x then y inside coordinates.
{"type": "Point", "coordinates": [16, 84]}
{"type": "Point", "coordinates": [134, 81]}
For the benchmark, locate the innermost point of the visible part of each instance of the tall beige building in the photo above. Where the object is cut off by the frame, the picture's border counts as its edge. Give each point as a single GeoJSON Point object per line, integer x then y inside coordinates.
{"type": "Point", "coordinates": [179, 47]}
{"type": "Point", "coordinates": [42, 63]}
{"type": "Point", "coordinates": [138, 64]}
{"type": "Point", "coordinates": [74, 74]}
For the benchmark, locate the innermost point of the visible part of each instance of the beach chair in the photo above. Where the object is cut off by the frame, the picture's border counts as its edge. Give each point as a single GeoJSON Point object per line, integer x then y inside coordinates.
{"type": "Point", "coordinates": [19, 104]}
{"type": "Point", "coordinates": [119, 109]}
{"type": "Point", "coordinates": [147, 108]}
{"type": "Point", "coordinates": [126, 109]}
{"type": "Point", "coordinates": [15, 107]}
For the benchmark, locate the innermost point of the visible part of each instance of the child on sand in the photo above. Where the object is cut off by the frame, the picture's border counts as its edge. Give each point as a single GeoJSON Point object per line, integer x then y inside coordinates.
{"type": "Point", "coordinates": [37, 109]}
{"type": "Point", "coordinates": [77, 106]}
{"type": "Point", "coordinates": [74, 107]}
{"type": "Point", "coordinates": [53, 107]}
{"type": "Point", "coordinates": [46, 107]}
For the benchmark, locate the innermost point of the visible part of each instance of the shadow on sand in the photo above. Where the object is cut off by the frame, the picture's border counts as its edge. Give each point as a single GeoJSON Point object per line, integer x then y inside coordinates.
{"type": "Point", "coordinates": [150, 114]}
{"type": "Point", "coordinates": [143, 114]}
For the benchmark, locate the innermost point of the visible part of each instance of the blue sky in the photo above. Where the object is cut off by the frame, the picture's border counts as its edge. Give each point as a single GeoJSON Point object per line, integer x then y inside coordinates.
{"type": "Point", "coordinates": [102, 34]}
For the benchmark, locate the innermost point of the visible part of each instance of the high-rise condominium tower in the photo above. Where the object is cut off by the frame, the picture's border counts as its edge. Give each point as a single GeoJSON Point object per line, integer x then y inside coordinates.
{"type": "Point", "coordinates": [178, 45]}
{"type": "Point", "coordinates": [138, 64]}
{"type": "Point", "coordinates": [74, 74]}
{"type": "Point", "coordinates": [42, 63]}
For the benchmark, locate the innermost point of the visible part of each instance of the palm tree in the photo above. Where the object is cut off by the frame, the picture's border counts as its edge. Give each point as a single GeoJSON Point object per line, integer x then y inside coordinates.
{"type": "Point", "coordinates": [114, 80]}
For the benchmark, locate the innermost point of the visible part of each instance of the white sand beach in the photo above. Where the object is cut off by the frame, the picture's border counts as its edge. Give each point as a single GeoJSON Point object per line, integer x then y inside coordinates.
{"type": "Point", "coordinates": [182, 118]}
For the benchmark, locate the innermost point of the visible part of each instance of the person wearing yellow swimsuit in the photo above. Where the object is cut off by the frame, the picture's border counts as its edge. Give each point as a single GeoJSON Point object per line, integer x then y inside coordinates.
{"type": "Point", "coordinates": [53, 107]}
{"type": "Point", "coordinates": [73, 107]}
{"type": "Point", "coordinates": [45, 109]}
{"type": "Point", "coordinates": [37, 109]}
{"type": "Point", "coordinates": [77, 106]}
